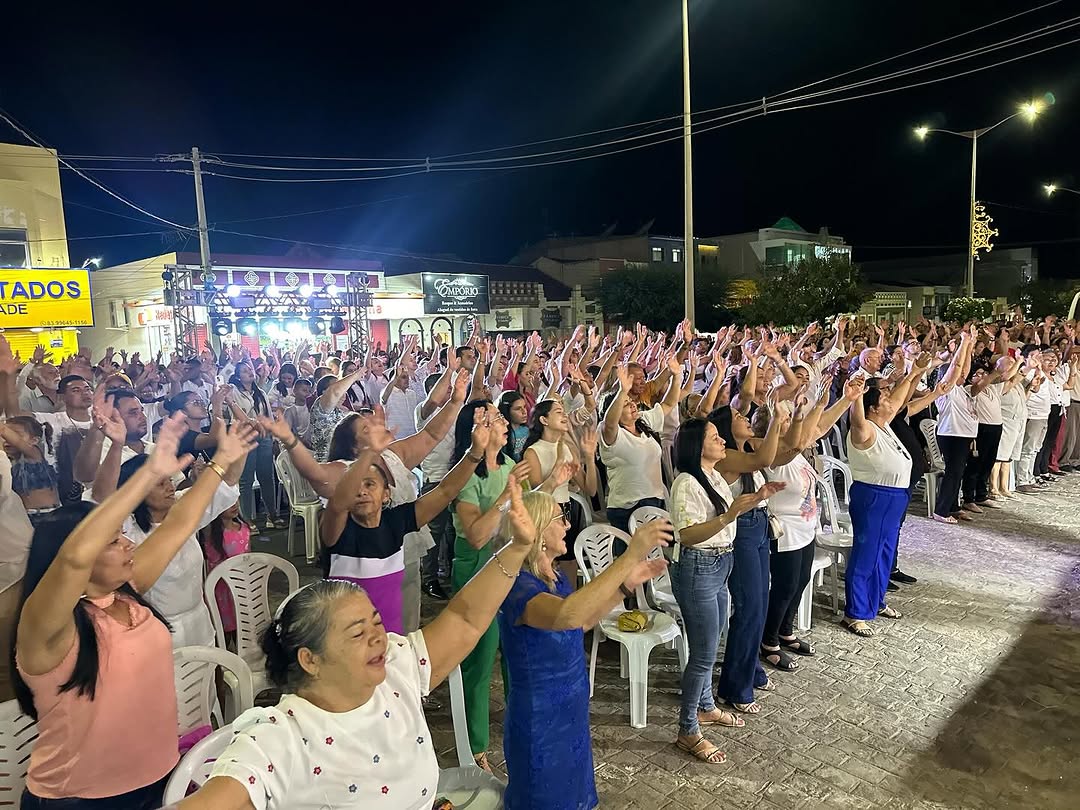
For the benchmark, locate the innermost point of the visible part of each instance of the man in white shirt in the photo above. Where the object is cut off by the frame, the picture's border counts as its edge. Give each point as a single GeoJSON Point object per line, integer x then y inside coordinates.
{"type": "Point", "coordinates": [436, 563]}
{"type": "Point", "coordinates": [400, 399]}
{"type": "Point", "coordinates": [75, 397]}
{"type": "Point", "coordinates": [96, 444]}
{"type": "Point", "coordinates": [37, 384]}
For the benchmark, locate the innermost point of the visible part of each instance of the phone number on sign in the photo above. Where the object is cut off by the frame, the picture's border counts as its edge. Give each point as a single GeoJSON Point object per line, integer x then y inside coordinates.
{"type": "Point", "coordinates": [59, 323]}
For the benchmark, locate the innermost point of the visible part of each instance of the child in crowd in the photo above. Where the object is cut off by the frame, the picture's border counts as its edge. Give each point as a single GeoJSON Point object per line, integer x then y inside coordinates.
{"type": "Point", "coordinates": [226, 536]}
{"type": "Point", "coordinates": [33, 479]}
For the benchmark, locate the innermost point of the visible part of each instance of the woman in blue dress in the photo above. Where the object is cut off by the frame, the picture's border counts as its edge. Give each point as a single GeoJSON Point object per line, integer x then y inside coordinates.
{"type": "Point", "coordinates": [541, 624]}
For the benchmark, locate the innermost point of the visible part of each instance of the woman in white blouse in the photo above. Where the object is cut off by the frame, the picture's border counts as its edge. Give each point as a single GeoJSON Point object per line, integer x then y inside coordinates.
{"type": "Point", "coordinates": [705, 515]}
{"type": "Point", "coordinates": [350, 731]}
{"type": "Point", "coordinates": [957, 428]}
{"type": "Point", "coordinates": [630, 447]}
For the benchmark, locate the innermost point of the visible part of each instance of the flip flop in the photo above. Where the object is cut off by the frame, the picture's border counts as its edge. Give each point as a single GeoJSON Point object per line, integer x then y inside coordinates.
{"type": "Point", "coordinates": [704, 751]}
{"type": "Point", "coordinates": [858, 627]}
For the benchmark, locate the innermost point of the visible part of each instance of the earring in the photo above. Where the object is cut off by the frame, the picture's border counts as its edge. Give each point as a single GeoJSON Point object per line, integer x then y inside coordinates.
{"type": "Point", "coordinates": [543, 546]}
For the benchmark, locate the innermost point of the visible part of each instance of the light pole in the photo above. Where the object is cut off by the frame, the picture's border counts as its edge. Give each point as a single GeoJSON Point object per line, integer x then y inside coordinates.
{"type": "Point", "coordinates": [689, 251]}
{"type": "Point", "coordinates": [1030, 110]}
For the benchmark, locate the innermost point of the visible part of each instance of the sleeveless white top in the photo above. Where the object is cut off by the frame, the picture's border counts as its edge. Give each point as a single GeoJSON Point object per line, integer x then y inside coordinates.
{"type": "Point", "coordinates": [548, 454]}
{"type": "Point", "coordinates": [885, 463]}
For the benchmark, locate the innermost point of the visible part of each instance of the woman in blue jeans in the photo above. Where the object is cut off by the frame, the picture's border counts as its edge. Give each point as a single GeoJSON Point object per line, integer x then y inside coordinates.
{"type": "Point", "coordinates": [742, 672]}
{"type": "Point", "coordinates": [248, 401]}
{"type": "Point", "coordinates": [704, 512]}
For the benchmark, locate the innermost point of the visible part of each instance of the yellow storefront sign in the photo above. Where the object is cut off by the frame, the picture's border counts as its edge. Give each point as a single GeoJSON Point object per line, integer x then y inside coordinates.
{"type": "Point", "coordinates": [45, 298]}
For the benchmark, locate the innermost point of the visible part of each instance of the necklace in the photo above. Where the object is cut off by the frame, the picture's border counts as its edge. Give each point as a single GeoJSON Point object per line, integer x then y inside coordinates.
{"type": "Point", "coordinates": [102, 602]}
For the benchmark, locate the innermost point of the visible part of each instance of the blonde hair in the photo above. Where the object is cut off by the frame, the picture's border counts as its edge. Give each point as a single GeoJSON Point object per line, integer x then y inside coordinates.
{"type": "Point", "coordinates": [542, 509]}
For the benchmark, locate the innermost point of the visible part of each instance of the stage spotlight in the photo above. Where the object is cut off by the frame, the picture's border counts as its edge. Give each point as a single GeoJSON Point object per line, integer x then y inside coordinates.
{"type": "Point", "coordinates": [316, 326]}
{"type": "Point", "coordinates": [271, 327]}
{"type": "Point", "coordinates": [306, 290]}
{"type": "Point", "coordinates": [337, 325]}
{"type": "Point", "coordinates": [232, 290]}
{"type": "Point", "coordinates": [332, 290]}
{"type": "Point", "coordinates": [222, 326]}
{"type": "Point", "coordinates": [247, 326]}
{"type": "Point", "coordinates": [271, 291]}
{"type": "Point", "coordinates": [294, 327]}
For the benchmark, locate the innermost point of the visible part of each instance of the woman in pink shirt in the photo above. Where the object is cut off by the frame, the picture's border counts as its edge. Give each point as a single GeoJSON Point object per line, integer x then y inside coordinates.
{"type": "Point", "coordinates": [93, 658]}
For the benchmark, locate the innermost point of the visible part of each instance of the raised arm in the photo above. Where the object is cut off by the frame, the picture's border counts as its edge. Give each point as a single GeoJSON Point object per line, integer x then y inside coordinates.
{"type": "Point", "coordinates": [323, 477]}
{"type": "Point", "coordinates": [862, 432]}
{"type": "Point", "coordinates": [335, 391]}
{"type": "Point", "coordinates": [738, 462]}
{"type": "Point", "coordinates": [162, 544]}
{"type": "Point", "coordinates": [674, 386]}
{"type": "Point", "coordinates": [433, 503]}
{"type": "Point", "coordinates": [417, 447]}
{"type": "Point", "coordinates": [610, 428]}
{"type": "Point", "coordinates": [336, 514]}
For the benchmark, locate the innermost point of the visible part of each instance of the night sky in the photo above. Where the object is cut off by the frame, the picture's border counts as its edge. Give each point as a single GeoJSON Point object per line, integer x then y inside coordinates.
{"type": "Point", "coordinates": [430, 79]}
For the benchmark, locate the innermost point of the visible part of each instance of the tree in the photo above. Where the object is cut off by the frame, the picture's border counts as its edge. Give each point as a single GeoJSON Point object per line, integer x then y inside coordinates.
{"type": "Point", "coordinates": [653, 295]}
{"type": "Point", "coordinates": [1048, 297]}
{"type": "Point", "coordinates": [962, 310]}
{"type": "Point", "coordinates": [811, 290]}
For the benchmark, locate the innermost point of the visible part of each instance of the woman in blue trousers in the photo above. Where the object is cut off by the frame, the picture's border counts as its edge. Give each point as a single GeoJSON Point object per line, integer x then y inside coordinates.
{"type": "Point", "coordinates": [880, 471]}
{"type": "Point", "coordinates": [742, 672]}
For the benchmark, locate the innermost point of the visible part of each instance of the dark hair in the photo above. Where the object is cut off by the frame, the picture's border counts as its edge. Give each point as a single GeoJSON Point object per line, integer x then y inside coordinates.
{"type": "Point", "coordinates": [303, 622]}
{"type": "Point", "coordinates": [213, 535]}
{"type": "Point", "coordinates": [343, 440]}
{"type": "Point", "coordinates": [177, 403]}
{"type": "Point", "coordinates": [68, 380]}
{"type": "Point", "coordinates": [641, 425]}
{"type": "Point", "coordinates": [536, 428]}
{"type": "Point", "coordinates": [141, 513]}
{"type": "Point", "coordinates": [324, 382]}
{"type": "Point", "coordinates": [50, 533]}
{"type": "Point", "coordinates": [256, 393]}
{"type": "Point", "coordinates": [286, 368]}
{"type": "Point", "coordinates": [871, 398]}
{"type": "Point", "coordinates": [35, 428]}
{"type": "Point", "coordinates": [721, 419]}
{"type": "Point", "coordinates": [459, 351]}
{"type": "Point", "coordinates": [463, 437]}
{"type": "Point", "coordinates": [303, 381]}
{"type": "Point", "coordinates": [689, 442]}
{"type": "Point", "coordinates": [120, 394]}
{"type": "Point", "coordinates": [506, 402]}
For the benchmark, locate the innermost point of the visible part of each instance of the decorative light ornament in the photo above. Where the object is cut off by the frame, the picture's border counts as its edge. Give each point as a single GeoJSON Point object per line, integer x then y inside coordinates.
{"type": "Point", "coordinates": [981, 232]}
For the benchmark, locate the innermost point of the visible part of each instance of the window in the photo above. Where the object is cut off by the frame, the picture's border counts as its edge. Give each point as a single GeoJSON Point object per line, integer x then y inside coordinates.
{"type": "Point", "coordinates": [676, 255]}
{"type": "Point", "coordinates": [657, 254]}
{"type": "Point", "coordinates": [14, 251]}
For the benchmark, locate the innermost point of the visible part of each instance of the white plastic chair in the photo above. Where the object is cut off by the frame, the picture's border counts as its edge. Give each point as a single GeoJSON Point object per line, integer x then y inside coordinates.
{"type": "Point", "coordinates": [831, 502]}
{"type": "Point", "coordinates": [841, 449]}
{"type": "Point", "coordinates": [196, 764]}
{"type": "Point", "coordinates": [18, 732]}
{"type": "Point", "coordinates": [247, 577]}
{"type": "Point", "coordinates": [832, 539]}
{"type": "Point", "coordinates": [593, 549]}
{"type": "Point", "coordinates": [467, 785]}
{"type": "Point", "coordinates": [586, 507]}
{"type": "Point", "coordinates": [657, 593]}
{"type": "Point", "coordinates": [928, 427]}
{"type": "Point", "coordinates": [822, 560]}
{"type": "Point", "coordinates": [303, 502]}
{"type": "Point", "coordinates": [194, 670]}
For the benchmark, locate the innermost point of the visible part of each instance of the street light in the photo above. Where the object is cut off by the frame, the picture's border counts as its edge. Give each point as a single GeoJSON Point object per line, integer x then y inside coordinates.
{"type": "Point", "coordinates": [689, 251]}
{"type": "Point", "coordinates": [1053, 188]}
{"type": "Point", "coordinates": [1029, 110]}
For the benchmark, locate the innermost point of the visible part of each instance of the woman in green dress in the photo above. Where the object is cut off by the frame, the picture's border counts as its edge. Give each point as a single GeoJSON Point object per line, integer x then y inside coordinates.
{"type": "Point", "coordinates": [477, 515]}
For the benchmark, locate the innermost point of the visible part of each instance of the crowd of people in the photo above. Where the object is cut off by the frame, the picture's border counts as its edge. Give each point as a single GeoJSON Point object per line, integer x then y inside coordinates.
{"type": "Point", "coordinates": [466, 473]}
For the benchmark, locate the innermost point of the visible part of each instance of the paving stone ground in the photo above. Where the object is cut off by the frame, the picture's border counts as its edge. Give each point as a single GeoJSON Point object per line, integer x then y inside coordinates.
{"type": "Point", "coordinates": [972, 700]}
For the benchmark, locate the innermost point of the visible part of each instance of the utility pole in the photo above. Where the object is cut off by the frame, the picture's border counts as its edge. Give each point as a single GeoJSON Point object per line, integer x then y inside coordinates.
{"type": "Point", "coordinates": [200, 208]}
{"type": "Point", "coordinates": [970, 280]}
{"type": "Point", "coordinates": [689, 249]}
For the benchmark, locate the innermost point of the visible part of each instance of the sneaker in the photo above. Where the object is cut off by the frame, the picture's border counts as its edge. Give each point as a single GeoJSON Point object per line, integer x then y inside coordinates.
{"type": "Point", "coordinates": [435, 591]}
{"type": "Point", "coordinates": [900, 576]}
{"type": "Point", "coordinates": [892, 586]}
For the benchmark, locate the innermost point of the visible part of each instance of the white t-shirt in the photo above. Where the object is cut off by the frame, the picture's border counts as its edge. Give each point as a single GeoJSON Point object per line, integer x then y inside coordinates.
{"type": "Point", "coordinates": [1061, 376]}
{"type": "Point", "coordinates": [400, 411]}
{"type": "Point", "coordinates": [956, 414]}
{"type": "Point", "coordinates": [436, 464]}
{"type": "Point", "coordinates": [795, 506]}
{"type": "Point", "coordinates": [988, 404]}
{"type": "Point", "coordinates": [1039, 402]}
{"type": "Point", "coordinates": [885, 463]}
{"type": "Point", "coordinates": [296, 756]}
{"type": "Point", "coordinates": [60, 423]}
{"type": "Point", "coordinates": [178, 592]}
{"type": "Point", "coordinates": [633, 463]}
{"type": "Point", "coordinates": [690, 505]}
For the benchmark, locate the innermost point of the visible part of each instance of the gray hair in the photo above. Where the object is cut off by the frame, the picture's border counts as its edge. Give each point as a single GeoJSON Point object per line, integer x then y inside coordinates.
{"type": "Point", "coordinates": [302, 620]}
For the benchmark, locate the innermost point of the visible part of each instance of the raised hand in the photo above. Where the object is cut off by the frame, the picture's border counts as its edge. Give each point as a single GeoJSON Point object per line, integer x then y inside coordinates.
{"type": "Point", "coordinates": [377, 436]}
{"type": "Point", "coordinates": [622, 374]}
{"type": "Point", "coordinates": [237, 442]}
{"type": "Point", "coordinates": [564, 471]}
{"type": "Point", "coordinates": [163, 461]}
{"type": "Point", "coordinates": [644, 571]}
{"type": "Point", "coordinates": [277, 427]}
{"type": "Point", "coordinates": [588, 443]}
{"type": "Point", "coordinates": [657, 533]}
{"type": "Point", "coordinates": [854, 388]}
{"type": "Point", "coordinates": [109, 422]}
{"type": "Point", "coordinates": [461, 386]}
{"type": "Point", "coordinates": [481, 432]}
{"type": "Point", "coordinates": [8, 362]}
{"type": "Point", "coordinates": [522, 528]}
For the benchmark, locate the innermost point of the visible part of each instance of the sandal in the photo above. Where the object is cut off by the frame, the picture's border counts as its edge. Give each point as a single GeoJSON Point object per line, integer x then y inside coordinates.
{"type": "Point", "coordinates": [481, 761]}
{"type": "Point", "coordinates": [890, 613]}
{"type": "Point", "coordinates": [726, 719]}
{"type": "Point", "coordinates": [858, 627]}
{"type": "Point", "coordinates": [950, 519]}
{"type": "Point", "coordinates": [768, 686]}
{"type": "Point", "coordinates": [745, 708]}
{"type": "Point", "coordinates": [703, 750]}
{"type": "Point", "coordinates": [778, 659]}
{"type": "Point", "coordinates": [797, 645]}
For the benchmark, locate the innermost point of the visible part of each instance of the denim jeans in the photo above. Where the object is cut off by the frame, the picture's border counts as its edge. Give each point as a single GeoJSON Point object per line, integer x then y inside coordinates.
{"type": "Point", "coordinates": [436, 563]}
{"type": "Point", "coordinates": [620, 518]}
{"type": "Point", "coordinates": [260, 462]}
{"type": "Point", "coordinates": [700, 582]}
{"type": "Point", "coordinates": [144, 798]}
{"type": "Point", "coordinates": [749, 585]}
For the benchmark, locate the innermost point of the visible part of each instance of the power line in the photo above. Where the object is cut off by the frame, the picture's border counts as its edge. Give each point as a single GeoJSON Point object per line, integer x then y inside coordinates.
{"type": "Point", "coordinates": [310, 179]}
{"type": "Point", "coordinates": [96, 236]}
{"type": "Point", "coordinates": [22, 131]}
{"type": "Point", "coordinates": [104, 211]}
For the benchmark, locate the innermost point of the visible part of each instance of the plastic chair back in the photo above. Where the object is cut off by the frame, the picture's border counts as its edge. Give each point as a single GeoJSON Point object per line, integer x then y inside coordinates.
{"type": "Point", "coordinates": [18, 732]}
{"type": "Point", "coordinates": [297, 488]}
{"type": "Point", "coordinates": [830, 511]}
{"type": "Point", "coordinates": [594, 548]}
{"type": "Point", "coordinates": [195, 766]}
{"type": "Point", "coordinates": [929, 432]}
{"type": "Point", "coordinates": [829, 466]}
{"type": "Point", "coordinates": [838, 439]}
{"type": "Point", "coordinates": [586, 507]}
{"type": "Point", "coordinates": [194, 669]}
{"type": "Point", "coordinates": [247, 577]}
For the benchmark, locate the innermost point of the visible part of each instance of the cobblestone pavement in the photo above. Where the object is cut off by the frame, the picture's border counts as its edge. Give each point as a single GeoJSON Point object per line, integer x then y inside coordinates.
{"type": "Point", "coordinates": [972, 700]}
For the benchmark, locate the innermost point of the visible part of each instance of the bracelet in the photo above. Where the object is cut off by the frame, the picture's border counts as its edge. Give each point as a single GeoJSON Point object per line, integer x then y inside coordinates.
{"type": "Point", "coordinates": [473, 458]}
{"type": "Point", "coordinates": [502, 568]}
{"type": "Point", "coordinates": [625, 591]}
{"type": "Point", "coordinates": [288, 446]}
{"type": "Point", "coordinates": [213, 465]}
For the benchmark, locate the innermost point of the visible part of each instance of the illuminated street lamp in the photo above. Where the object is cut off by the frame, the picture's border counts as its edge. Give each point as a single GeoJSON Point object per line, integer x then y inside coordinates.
{"type": "Point", "coordinates": [1052, 188]}
{"type": "Point", "coordinates": [1029, 110]}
